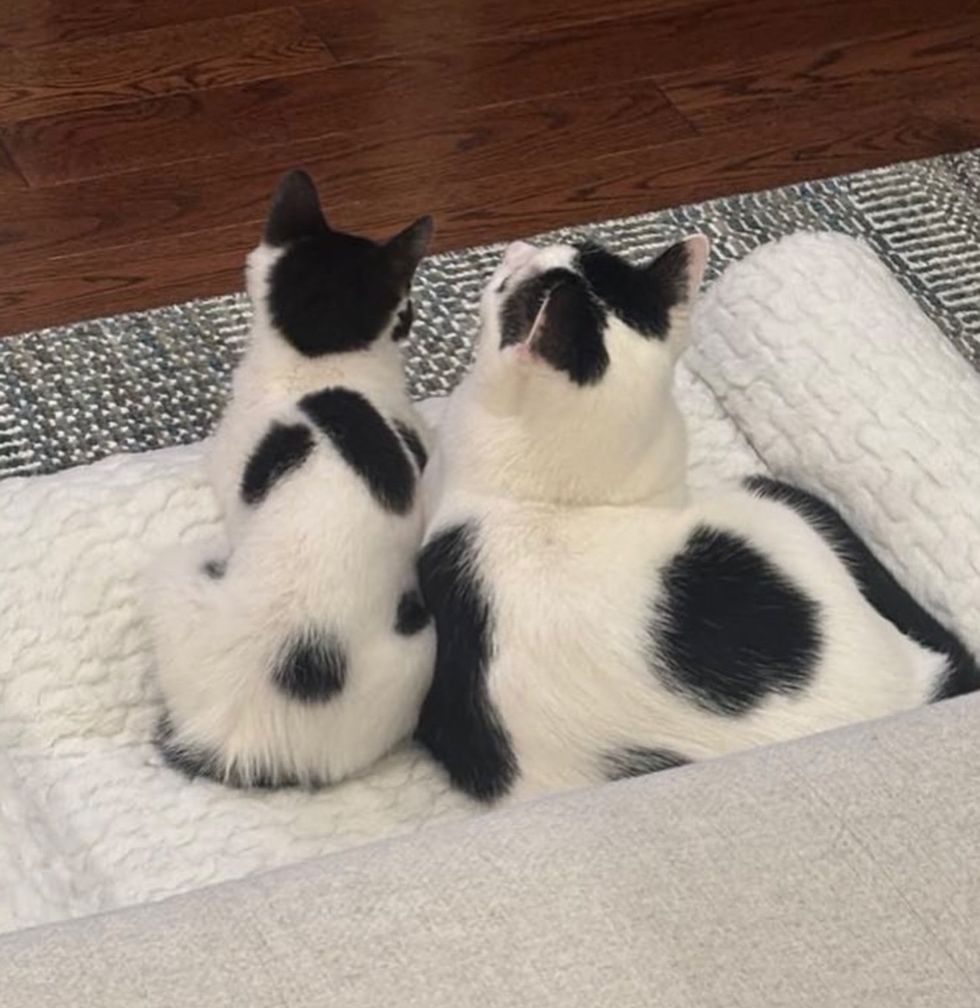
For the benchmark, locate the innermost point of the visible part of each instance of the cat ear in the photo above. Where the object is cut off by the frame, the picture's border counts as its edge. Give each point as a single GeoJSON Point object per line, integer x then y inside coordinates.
{"type": "Point", "coordinates": [406, 249]}
{"type": "Point", "coordinates": [295, 211]}
{"type": "Point", "coordinates": [679, 270]}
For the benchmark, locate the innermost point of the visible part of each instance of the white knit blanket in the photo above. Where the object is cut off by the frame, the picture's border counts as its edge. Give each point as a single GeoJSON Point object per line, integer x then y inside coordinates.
{"type": "Point", "coordinates": [808, 360]}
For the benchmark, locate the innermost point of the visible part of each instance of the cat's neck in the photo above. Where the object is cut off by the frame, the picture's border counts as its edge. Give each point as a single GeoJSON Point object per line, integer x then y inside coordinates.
{"type": "Point", "coordinates": [491, 455]}
{"type": "Point", "coordinates": [272, 364]}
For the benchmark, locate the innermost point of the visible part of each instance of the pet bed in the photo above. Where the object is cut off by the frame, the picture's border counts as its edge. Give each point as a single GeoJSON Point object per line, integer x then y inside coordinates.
{"type": "Point", "coordinates": [809, 360]}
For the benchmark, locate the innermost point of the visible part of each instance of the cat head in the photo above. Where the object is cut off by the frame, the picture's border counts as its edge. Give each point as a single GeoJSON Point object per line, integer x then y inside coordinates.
{"type": "Point", "coordinates": [324, 291]}
{"type": "Point", "coordinates": [574, 367]}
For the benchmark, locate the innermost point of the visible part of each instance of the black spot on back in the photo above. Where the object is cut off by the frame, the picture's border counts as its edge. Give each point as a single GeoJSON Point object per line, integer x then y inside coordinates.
{"type": "Point", "coordinates": [195, 761]}
{"type": "Point", "coordinates": [283, 449]}
{"type": "Point", "coordinates": [366, 443]}
{"type": "Point", "coordinates": [458, 724]}
{"type": "Point", "coordinates": [636, 761]}
{"type": "Point", "coordinates": [215, 569]}
{"type": "Point", "coordinates": [403, 324]}
{"type": "Point", "coordinates": [641, 296]}
{"type": "Point", "coordinates": [569, 332]}
{"type": "Point", "coordinates": [730, 627]}
{"type": "Point", "coordinates": [412, 615]}
{"type": "Point", "coordinates": [414, 444]}
{"type": "Point", "coordinates": [311, 667]}
{"type": "Point", "coordinates": [877, 584]}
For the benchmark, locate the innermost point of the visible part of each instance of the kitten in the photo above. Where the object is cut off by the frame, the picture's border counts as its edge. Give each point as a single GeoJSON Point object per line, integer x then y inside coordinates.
{"type": "Point", "coordinates": [593, 621]}
{"type": "Point", "coordinates": [298, 650]}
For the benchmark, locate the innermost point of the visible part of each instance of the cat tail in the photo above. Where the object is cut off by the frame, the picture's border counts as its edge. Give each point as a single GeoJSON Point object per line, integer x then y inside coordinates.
{"type": "Point", "coordinates": [878, 585]}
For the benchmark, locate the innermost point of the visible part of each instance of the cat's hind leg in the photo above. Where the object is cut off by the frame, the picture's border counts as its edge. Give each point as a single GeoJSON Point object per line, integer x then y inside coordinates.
{"type": "Point", "coordinates": [184, 609]}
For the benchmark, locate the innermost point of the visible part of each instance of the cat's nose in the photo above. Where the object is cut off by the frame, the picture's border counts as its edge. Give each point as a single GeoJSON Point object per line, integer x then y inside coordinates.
{"type": "Point", "coordinates": [518, 253]}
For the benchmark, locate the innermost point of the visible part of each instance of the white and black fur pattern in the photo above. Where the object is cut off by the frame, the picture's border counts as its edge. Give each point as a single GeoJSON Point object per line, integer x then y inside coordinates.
{"type": "Point", "coordinates": [594, 621]}
{"type": "Point", "coordinates": [296, 650]}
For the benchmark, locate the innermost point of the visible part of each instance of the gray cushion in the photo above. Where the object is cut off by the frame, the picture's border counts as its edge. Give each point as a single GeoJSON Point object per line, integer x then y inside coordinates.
{"type": "Point", "coordinates": [840, 870]}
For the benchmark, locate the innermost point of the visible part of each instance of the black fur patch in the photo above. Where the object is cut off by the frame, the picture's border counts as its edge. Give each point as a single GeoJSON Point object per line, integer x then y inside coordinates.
{"type": "Point", "coordinates": [458, 724]}
{"type": "Point", "coordinates": [215, 569]}
{"type": "Point", "coordinates": [194, 762]}
{"type": "Point", "coordinates": [284, 448]}
{"type": "Point", "coordinates": [366, 443]}
{"type": "Point", "coordinates": [412, 615]}
{"type": "Point", "coordinates": [332, 293]}
{"type": "Point", "coordinates": [877, 584]}
{"type": "Point", "coordinates": [635, 761]}
{"type": "Point", "coordinates": [414, 444]}
{"type": "Point", "coordinates": [295, 211]}
{"type": "Point", "coordinates": [521, 308]}
{"type": "Point", "coordinates": [641, 296]}
{"type": "Point", "coordinates": [569, 334]}
{"type": "Point", "coordinates": [403, 324]}
{"type": "Point", "coordinates": [311, 668]}
{"type": "Point", "coordinates": [729, 627]}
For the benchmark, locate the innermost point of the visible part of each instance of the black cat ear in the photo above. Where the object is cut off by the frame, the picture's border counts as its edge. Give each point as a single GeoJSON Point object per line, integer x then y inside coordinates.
{"type": "Point", "coordinates": [407, 248]}
{"type": "Point", "coordinates": [295, 211]}
{"type": "Point", "coordinates": [678, 271]}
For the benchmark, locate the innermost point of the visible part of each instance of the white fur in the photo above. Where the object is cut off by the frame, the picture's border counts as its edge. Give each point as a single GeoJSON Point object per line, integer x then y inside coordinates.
{"type": "Point", "coordinates": [319, 550]}
{"type": "Point", "coordinates": [580, 497]}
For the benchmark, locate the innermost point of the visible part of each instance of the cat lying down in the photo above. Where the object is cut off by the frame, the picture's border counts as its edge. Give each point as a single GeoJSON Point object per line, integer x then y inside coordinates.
{"type": "Point", "coordinates": [593, 621]}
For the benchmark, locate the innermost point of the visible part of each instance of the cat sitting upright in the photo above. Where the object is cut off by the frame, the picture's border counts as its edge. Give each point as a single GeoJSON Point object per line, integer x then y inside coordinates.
{"type": "Point", "coordinates": [593, 621]}
{"type": "Point", "coordinates": [296, 650]}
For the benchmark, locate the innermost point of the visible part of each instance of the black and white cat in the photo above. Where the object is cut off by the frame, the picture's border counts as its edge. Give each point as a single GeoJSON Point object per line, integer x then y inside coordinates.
{"type": "Point", "coordinates": [297, 650]}
{"type": "Point", "coordinates": [594, 622]}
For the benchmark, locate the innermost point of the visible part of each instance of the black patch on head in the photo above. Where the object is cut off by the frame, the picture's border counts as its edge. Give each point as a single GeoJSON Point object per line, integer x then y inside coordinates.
{"type": "Point", "coordinates": [195, 761]}
{"type": "Point", "coordinates": [521, 308]}
{"type": "Point", "coordinates": [730, 627]}
{"type": "Point", "coordinates": [311, 667]}
{"type": "Point", "coordinates": [569, 333]}
{"type": "Point", "coordinates": [283, 448]}
{"type": "Point", "coordinates": [458, 724]}
{"type": "Point", "coordinates": [366, 443]}
{"type": "Point", "coordinates": [331, 292]}
{"type": "Point", "coordinates": [641, 296]}
{"type": "Point", "coordinates": [215, 569]}
{"type": "Point", "coordinates": [412, 615]}
{"type": "Point", "coordinates": [876, 583]}
{"type": "Point", "coordinates": [403, 324]}
{"type": "Point", "coordinates": [414, 444]}
{"type": "Point", "coordinates": [636, 761]}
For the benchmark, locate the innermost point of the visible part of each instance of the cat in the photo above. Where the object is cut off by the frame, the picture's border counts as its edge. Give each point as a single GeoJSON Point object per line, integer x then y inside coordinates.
{"type": "Point", "coordinates": [593, 621]}
{"type": "Point", "coordinates": [296, 649]}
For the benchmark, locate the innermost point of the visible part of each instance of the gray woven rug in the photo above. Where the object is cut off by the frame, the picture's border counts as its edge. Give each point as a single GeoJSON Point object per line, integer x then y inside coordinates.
{"type": "Point", "coordinates": [74, 394]}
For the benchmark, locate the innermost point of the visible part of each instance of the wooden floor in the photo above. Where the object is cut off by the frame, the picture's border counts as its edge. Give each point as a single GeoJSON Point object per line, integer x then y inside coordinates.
{"type": "Point", "coordinates": [140, 139]}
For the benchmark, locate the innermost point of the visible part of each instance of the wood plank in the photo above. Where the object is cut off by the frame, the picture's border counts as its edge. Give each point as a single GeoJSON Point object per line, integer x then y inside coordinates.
{"type": "Point", "coordinates": [538, 135]}
{"type": "Point", "coordinates": [497, 207]}
{"type": "Point", "coordinates": [694, 32]}
{"type": "Point", "coordinates": [393, 97]}
{"type": "Point", "coordinates": [11, 181]}
{"type": "Point", "coordinates": [399, 93]}
{"type": "Point", "coordinates": [37, 22]}
{"type": "Point", "coordinates": [905, 64]}
{"type": "Point", "coordinates": [69, 76]}
{"type": "Point", "coordinates": [355, 30]}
